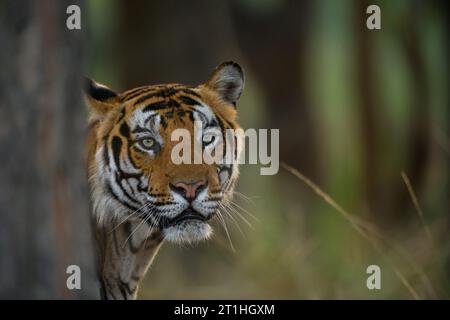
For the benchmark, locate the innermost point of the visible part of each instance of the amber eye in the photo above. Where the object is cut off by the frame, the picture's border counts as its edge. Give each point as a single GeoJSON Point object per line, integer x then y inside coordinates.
{"type": "Point", "coordinates": [147, 143]}
{"type": "Point", "coordinates": [208, 139]}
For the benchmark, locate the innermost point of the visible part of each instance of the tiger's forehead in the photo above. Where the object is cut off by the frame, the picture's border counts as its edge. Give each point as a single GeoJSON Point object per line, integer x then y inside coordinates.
{"type": "Point", "coordinates": [159, 104]}
{"type": "Point", "coordinates": [168, 93]}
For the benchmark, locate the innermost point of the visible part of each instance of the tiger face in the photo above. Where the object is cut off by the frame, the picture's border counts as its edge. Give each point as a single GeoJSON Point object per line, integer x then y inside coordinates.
{"type": "Point", "coordinates": [132, 170]}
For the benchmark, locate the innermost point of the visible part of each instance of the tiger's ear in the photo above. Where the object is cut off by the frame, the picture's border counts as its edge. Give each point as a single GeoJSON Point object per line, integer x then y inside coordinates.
{"type": "Point", "coordinates": [100, 98]}
{"type": "Point", "coordinates": [228, 81]}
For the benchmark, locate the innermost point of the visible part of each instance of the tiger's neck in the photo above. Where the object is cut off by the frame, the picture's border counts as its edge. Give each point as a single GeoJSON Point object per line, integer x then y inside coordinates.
{"type": "Point", "coordinates": [125, 253]}
{"type": "Point", "coordinates": [125, 247]}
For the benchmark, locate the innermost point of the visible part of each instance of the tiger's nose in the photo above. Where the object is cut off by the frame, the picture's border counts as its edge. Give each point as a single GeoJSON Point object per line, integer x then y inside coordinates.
{"type": "Point", "coordinates": [189, 190]}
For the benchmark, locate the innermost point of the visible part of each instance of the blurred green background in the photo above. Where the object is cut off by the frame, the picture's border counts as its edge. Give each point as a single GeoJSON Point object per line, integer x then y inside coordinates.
{"type": "Point", "coordinates": [355, 108]}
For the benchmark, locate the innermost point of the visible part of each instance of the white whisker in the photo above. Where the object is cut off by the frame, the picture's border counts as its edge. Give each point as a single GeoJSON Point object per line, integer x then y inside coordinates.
{"type": "Point", "coordinates": [139, 225]}
{"type": "Point", "coordinates": [232, 219]}
{"type": "Point", "coordinates": [224, 224]}
{"type": "Point", "coordinates": [234, 210]}
{"type": "Point", "coordinates": [134, 213]}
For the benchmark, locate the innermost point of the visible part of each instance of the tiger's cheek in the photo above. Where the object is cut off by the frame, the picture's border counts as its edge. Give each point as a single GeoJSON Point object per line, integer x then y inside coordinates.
{"type": "Point", "coordinates": [213, 180]}
{"type": "Point", "coordinates": [141, 161]}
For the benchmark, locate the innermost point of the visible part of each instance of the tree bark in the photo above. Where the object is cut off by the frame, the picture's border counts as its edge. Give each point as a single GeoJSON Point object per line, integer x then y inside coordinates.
{"type": "Point", "coordinates": [44, 206]}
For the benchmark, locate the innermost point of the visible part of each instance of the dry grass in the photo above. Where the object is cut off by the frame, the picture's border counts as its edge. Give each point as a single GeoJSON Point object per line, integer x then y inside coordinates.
{"type": "Point", "coordinates": [415, 201]}
{"type": "Point", "coordinates": [368, 231]}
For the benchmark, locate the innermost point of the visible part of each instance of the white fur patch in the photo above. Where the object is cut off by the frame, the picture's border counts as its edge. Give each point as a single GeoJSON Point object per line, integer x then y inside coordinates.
{"type": "Point", "coordinates": [188, 231]}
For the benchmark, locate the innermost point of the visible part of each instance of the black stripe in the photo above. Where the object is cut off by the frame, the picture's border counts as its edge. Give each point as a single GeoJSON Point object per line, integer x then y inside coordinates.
{"type": "Point", "coordinates": [146, 97]}
{"type": "Point", "coordinates": [167, 92]}
{"type": "Point", "coordinates": [189, 101]}
{"type": "Point", "coordinates": [222, 130]}
{"type": "Point", "coordinates": [126, 194]}
{"type": "Point", "coordinates": [116, 197]}
{"type": "Point", "coordinates": [140, 188]}
{"type": "Point", "coordinates": [122, 291]}
{"type": "Point", "coordinates": [122, 115]}
{"type": "Point", "coordinates": [190, 91]}
{"type": "Point", "coordinates": [135, 95]}
{"type": "Point", "coordinates": [132, 162]}
{"type": "Point", "coordinates": [105, 153]}
{"type": "Point", "coordinates": [116, 146]}
{"type": "Point", "coordinates": [130, 186]}
{"type": "Point", "coordinates": [191, 115]}
{"type": "Point", "coordinates": [155, 106]}
{"type": "Point", "coordinates": [125, 130]}
{"type": "Point", "coordinates": [139, 129]}
{"type": "Point", "coordinates": [125, 181]}
{"type": "Point", "coordinates": [156, 91]}
{"type": "Point", "coordinates": [134, 90]}
{"type": "Point", "coordinates": [161, 105]}
{"type": "Point", "coordinates": [110, 291]}
{"type": "Point", "coordinates": [173, 104]}
{"type": "Point", "coordinates": [163, 122]}
{"type": "Point", "coordinates": [128, 175]}
{"type": "Point", "coordinates": [129, 202]}
{"type": "Point", "coordinates": [229, 124]}
{"type": "Point", "coordinates": [133, 249]}
{"type": "Point", "coordinates": [161, 203]}
{"type": "Point", "coordinates": [164, 93]}
{"type": "Point", "coordinates": [137, 92]}
{"type": "Point", "coordinates": [230, 185]}
{"type": "Point", "coordinates": [169, 114]}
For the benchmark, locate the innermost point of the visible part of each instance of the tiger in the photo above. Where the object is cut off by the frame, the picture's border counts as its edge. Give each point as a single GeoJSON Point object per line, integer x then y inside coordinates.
{"type": "Point", "coordinates": [139, 197]}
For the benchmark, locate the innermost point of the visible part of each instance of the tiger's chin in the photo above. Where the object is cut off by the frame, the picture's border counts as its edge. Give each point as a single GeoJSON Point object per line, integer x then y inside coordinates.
{"type": "Point", "coordinates": [189, 231]}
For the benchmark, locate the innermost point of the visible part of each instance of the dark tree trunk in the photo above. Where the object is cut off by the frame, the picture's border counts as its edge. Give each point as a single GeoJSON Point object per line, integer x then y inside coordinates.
{"type": "Point", "coordinates": [44, 216]}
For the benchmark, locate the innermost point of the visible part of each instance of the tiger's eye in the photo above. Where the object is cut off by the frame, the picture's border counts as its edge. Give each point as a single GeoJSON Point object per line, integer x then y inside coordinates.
{"type": "Point", "coordinates": [147, 143]}
{"type": "Point", "coordinates": [208, 139]}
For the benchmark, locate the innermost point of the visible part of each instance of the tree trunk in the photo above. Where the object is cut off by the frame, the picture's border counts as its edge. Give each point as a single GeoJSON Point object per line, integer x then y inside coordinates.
{"type": "Point", "coordinates": [44, 207]}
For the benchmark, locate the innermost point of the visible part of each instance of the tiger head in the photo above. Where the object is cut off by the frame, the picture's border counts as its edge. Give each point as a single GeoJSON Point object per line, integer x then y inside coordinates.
{"type": "Point", "coordinates": [132, 170]}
